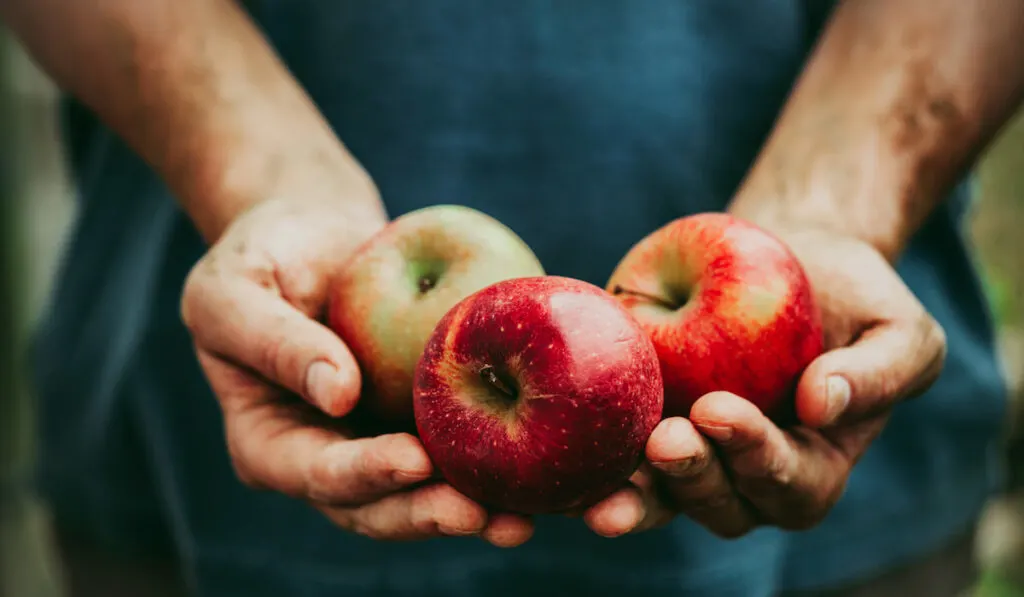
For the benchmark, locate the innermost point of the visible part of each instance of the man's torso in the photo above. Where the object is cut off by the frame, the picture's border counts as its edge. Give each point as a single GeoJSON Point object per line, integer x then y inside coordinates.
{"type": "Point", "coordinates": [581, 125]}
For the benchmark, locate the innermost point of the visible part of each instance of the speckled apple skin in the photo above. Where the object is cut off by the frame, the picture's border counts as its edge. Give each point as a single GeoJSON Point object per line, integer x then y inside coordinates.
{"type": "Point", "coordinates": [378, 310]}
{"type": "Point", "coordinates": [590, 394]}
{"type": "Point", "coordinates": [750, 324]}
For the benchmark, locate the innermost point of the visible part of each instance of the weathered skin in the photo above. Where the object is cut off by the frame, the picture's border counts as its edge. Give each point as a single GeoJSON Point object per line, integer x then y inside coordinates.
{"type": "Point", "coordinates": [728, 307]}
{"type": "Point", "coordinates": [399, 284]}
{"type": "Point", "coordinates": [578, 392]}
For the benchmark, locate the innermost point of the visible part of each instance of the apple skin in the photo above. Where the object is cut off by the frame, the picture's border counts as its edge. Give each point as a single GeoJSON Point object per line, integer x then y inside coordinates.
{"type": "Point", "coordinates": [728, 307]}
{"type": "Point", "coordinates": [389, 296]}
{"type": "Point", "coordinates": [587, 388]}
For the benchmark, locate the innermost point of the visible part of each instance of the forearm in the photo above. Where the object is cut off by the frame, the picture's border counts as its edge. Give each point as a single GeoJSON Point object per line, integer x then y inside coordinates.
{"type": "Point", "coordinates": [192, 86]}
{"type": "Point", "coordinates": [893, 108]}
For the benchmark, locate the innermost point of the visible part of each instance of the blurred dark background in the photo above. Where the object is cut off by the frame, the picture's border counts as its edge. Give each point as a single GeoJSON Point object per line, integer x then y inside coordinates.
{"type": "Point", "coordinates": [37, 207]}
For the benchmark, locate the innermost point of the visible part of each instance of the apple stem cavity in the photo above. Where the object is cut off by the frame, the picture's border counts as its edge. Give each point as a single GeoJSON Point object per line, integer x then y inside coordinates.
{"type": "Point", "coordinates": [647, 297]}
{"type": "Point", "coordinates": [426, 283]}
{"type": "Point", "coordinates": [490, 376]}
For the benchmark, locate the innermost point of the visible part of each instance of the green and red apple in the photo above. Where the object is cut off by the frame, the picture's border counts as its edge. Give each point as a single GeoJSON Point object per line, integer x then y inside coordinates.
{"type": "Point", "coordinates": [537, 395]}
{"type": "Point", "coordinates": [390, 295]}
{"type": "Point", "coordinates": [728, 307]}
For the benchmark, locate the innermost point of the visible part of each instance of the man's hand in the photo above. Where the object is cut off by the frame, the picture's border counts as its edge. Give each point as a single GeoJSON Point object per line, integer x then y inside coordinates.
{"type": "Point", "coordinates": [195, 89]}
{"type": "Point", "coordinates": [892, 108]}
{"type": "Point", "coordinates": [283, 379]}
{"type": "Point", "coordinates": [731, 469]}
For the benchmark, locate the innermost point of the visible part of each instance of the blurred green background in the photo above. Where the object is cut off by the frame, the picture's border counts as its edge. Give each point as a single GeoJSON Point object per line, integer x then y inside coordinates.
{"type": "Point", "coordinates": [997, 229]}
{"type": "Point", "coordinates": [37, 209]}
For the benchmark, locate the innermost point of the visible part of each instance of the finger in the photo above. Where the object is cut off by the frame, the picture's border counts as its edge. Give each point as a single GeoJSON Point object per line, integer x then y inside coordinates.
{"type": "Point", "coordinates": [694, 479]}
{"type": "Point", "coordinates": [888, 363]}
{"type": "Point", "coordinates": [658, 511]}
{"type": "Point", "coordinates": [253, 327]}
{"type": "Point", "coordinates": [277, 445]}
{"type": "Point", "coordinates": [507, 530]}
{"type": "Point", "coordinates": [617, 514]}
{"type": "Point", "coordinates": [791, 480]}
{"type": "Point", "coordinates": [315, 464]}
{"type": "Point", "coordinates": [425, 512]}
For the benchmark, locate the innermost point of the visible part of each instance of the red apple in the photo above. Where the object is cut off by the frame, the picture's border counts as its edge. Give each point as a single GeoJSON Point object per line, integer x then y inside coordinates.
{"type": "Point", "coordinates": [537, 395]}
{"type": "Point", "coordinates": [392, 292]}
{"type": "Point", "coordinates": [728, 307]}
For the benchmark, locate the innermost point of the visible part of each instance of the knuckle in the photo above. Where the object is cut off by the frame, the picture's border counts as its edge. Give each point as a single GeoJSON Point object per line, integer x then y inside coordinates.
{"type": "Point", "coordinates": [370, 465]}
{"type": "Point", "coordinates": [937, 338]}
{"type": "Point", "coordinates": [243, 461]}
{"type": "Point", "coordinates": [749, 446]}
{"type": "Point", "coordinates": [361, 528]}
{"type": "Point", "coordinates": [774, 480]}
{"type": "Point", "coordinates": [302, 286]}
{"type": "Point", "coordinates": [323, 484]}
{"type": "Point", "coordinates": [386, 452]}
{"type": "Point", "coordinates": [244, 471]}
{"type": "Point", "coordinates": [426, 527]}
{"type": "Point", "coordinates": [396, 442]}
{"type": "Point", "coordinates": [245, 477]}
{"type": "Point", "coordinates": [932, 329]}
{"type": "Point", "coordinates": [779, 474]}
{"type": "Point", "coordinates": [320, 477]}
{"type": "Point", "coordinates": [891, 386]}
{"type": "Point", "coordinates": [421, 512]}
{"type": "Point", "coordinates": [929, 334]}
{"type": "Point", "coordinates": [191, 294]}
{"type": "Point", "coordinates": [346, 519]}
{"type": "Point", "coordinates": [357, 521]}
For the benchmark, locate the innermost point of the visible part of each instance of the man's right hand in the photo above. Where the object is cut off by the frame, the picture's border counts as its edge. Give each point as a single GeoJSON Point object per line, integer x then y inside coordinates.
{"type": "Point", "coordinates": [285, 381]}
{"type": "Point", "coordinates": [195, 89]}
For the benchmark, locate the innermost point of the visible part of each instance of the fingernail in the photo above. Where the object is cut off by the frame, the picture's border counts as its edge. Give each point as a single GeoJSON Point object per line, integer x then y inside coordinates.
{"type": "Point", "coordinates": [719, 433]}
{"type": "Point", "coordinates": [674, 446]}
{"type": "Point", "coordinates": [837, 398]}
{"type": "Point", "coordinates": [405, 477]}
{"type": "Point", "coordinates": [321, 384]}
{"type": "Point", "coordinates": [675, 468]}
{"type": "Point", "coordinates": [454, 532]}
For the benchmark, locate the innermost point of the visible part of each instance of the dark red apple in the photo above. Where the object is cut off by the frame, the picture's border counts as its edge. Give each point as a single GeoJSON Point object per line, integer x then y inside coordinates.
{"type": "Point", "coordinates": [728, 307]}
{"type": "Point", "coordinates": [537, 395]}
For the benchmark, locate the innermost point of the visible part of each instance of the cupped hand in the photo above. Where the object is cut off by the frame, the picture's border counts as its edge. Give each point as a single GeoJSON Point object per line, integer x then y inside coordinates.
{"type": "Point", "coordinates": [731, 469]}
{"type": "Point", "coordinates": [285, 381]}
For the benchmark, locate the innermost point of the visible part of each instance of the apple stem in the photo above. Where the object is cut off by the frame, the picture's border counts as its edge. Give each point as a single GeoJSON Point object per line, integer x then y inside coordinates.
{"type": "Point", "coordinates": [658, 301]}
{"type": "Point", "coordinates": [488, 374]}
{"type": "Point", "coordinates": [426, 283]}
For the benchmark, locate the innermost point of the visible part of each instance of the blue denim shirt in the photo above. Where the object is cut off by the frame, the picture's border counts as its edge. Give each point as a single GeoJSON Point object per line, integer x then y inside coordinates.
{"type": "Point", "coordinates": [583, 125]}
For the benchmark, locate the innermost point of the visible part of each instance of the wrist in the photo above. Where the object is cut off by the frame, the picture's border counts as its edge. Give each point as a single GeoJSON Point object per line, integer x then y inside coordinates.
{"type": "Point", "coordinates": [786, 216]}
{"type": "Point", "coordinates": [300, 179]}
{"type": "Point", "coordinates": [862, 187]}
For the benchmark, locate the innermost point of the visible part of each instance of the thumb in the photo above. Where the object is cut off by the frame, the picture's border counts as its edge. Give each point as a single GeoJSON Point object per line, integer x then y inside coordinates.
{"type": "Point", "coordinates": [245, 324]}
{"type": "Point", "coordinates": [888, 363]}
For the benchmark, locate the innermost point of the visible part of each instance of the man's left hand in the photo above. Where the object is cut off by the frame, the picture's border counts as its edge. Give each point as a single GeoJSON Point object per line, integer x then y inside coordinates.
{"type": "Point", "coordinates": [731, 469]}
